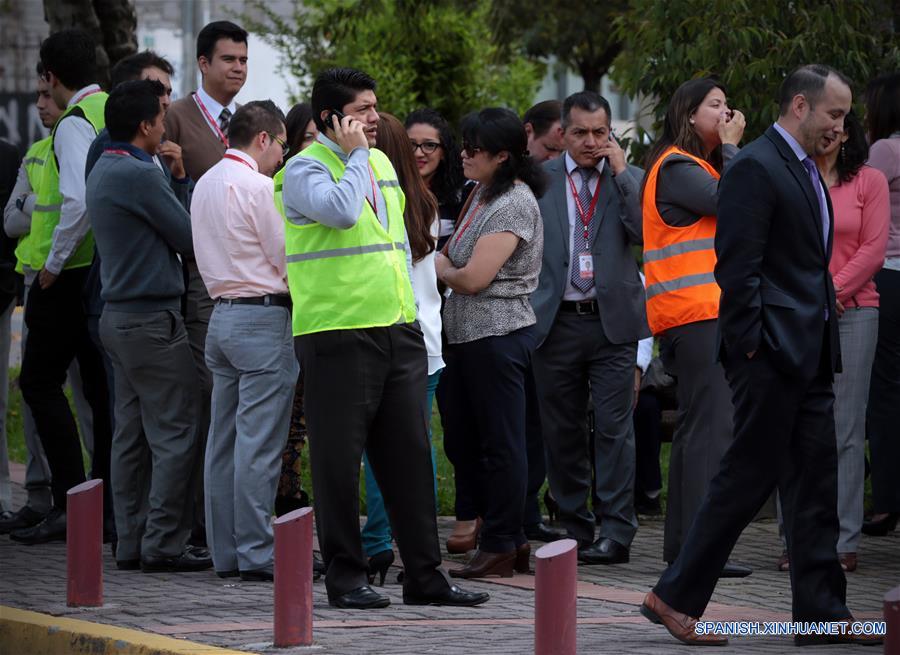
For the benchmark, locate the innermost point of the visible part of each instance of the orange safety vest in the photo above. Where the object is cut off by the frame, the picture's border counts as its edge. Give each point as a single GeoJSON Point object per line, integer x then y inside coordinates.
{"type": "Point", "coordinates": [678, 261]}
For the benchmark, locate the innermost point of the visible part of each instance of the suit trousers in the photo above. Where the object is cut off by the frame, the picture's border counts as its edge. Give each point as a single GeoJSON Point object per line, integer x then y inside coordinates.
{"type": "Point", "coordinates": [484, 430]}
{"type": "Point", "coordinates": [576, 355]}
{"type": "Point", "coordinates": [859, 332]}
{"type": "Point", "coordinates": [783, 436]}
{"type": "Point", "coordinates": [250, 352]}
{"type": "Point", "coordinates": [705, 424]}
{"type": "Point", "coordinates": [155, 440]}
{"type": "Point", "coordinates": [57, 335]}
{"type": "Point", "coordinates": [884, 397]}
{"type": "Point", "coordinates": [363, 390]}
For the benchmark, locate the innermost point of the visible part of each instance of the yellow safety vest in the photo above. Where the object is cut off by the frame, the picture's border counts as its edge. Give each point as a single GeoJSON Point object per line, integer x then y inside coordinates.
{"type": "Point", "coordinates": [35, 159]}
{"type": "Point", "coordinates": [45, 216]}
{"type": "Point", "coordinates": [354, 278]}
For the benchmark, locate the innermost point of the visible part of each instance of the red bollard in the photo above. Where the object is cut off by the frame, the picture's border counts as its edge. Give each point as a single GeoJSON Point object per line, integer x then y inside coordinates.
{"type": "Point", "coordinates": [293, 578]}
{"type": "Point", "coordinates": [555, 598]}
{"type": "Point", "coordinates": [84, 544]}
{"type": "Point", "coordinates": [892, 621]}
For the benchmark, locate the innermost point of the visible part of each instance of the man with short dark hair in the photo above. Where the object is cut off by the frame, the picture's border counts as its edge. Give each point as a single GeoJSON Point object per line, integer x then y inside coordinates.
{"type": "Point", "coordinates": [239, 246]}
{"type": "Point", "coordinates": [199, 124]}
{"type": "Point", "coordinates": [590, 315]}
{"type": "Point", "coordinates": [62, 253]}
{"type": "Point", "coordinates": [542, 124]}
{"type": "Point", "coordinates": [778, 341]}
{"type": "Point", "coordinates": [141, 228]}
{"type": "Point", "coordinates": [361, 351]}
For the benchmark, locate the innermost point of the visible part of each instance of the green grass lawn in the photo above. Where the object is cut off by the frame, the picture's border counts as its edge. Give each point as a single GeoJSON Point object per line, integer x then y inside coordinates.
{"type": "Point", "coordinates": [446, 492]}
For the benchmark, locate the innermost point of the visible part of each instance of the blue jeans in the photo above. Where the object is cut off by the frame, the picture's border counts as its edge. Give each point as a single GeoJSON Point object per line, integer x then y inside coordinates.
{"type": "Point", "coordinates": [376, 534]}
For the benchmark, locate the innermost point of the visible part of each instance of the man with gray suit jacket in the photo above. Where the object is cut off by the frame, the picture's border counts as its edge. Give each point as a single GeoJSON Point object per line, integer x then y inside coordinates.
{"type": "Point", "coordinates": [590, 309]}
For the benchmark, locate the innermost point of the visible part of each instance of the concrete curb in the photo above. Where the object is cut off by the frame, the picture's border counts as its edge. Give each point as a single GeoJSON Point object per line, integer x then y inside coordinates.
{"type": "Point", "coordinates": [31, 633]}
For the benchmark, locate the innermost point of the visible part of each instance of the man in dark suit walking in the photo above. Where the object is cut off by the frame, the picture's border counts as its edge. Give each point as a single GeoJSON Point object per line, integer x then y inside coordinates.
{"type": "Point", "coordinates": [590, 309]}
{"type": "Point", "coordinates": [779, 345]}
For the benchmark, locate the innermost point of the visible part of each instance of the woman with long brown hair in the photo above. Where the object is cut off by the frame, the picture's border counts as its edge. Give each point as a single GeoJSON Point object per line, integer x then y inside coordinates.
{"type": "Point", "coordinates": [420, 216]}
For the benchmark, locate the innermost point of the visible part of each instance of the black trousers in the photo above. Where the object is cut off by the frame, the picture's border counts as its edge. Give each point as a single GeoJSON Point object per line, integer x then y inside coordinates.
{"type": "Point", "coordinates": [884, 397]}
{"type": "Point", "coordinates": [647, 440]}
{"type": "Point", "coordinates": [784, 437]}
{"type": "Point", "coordinates": [57, 334]}
{"type": "Point", "coordinates": [363, 389]}
{"type": "Point", "coordinates": [484, 430]}
{"type": "Point", "coordinates": [534, 452]}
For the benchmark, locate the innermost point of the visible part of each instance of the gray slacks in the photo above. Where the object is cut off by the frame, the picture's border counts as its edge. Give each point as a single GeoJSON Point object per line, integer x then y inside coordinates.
{"type": "Point", "coordinates": [250, 353]}
{"type": "Point", "coordinates": [154, 444]}
{"type": "Point", "coordinates": [574, 355]}
{"type": "Point", "coordinates": [704, 428]}
{"type": "Point", "coordinates": [859, 334]}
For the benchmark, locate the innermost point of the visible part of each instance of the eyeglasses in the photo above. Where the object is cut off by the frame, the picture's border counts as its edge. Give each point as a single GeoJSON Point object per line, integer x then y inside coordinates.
{"type": "Point", "coordinates": [471, 150]}
{"type": "Point", "coordinates": [285, 148]}
{"type": "Point", "coordinates": [427, 147]}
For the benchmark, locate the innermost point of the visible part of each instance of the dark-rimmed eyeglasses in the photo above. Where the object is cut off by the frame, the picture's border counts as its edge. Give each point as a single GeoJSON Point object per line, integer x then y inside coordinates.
{"type": "Point", "coordinates": [285, 148]}
{"type": "Point", "coordinates": [427, 147]}
{"type": "Point", "coordinates": [471, 150]}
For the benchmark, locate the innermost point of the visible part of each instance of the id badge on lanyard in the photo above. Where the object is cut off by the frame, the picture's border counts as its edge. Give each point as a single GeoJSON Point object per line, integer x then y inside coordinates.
{"type": "Point", "coordinates": [585, 258]}
{"type": "Point", "coordinates": [586, 265]}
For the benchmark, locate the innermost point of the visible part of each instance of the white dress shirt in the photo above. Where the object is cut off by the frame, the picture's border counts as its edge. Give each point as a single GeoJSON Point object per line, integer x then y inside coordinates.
{"type": "Point", "coordinates": [571, 292]}
{"type": "Point", "coordinates": [213, 107]}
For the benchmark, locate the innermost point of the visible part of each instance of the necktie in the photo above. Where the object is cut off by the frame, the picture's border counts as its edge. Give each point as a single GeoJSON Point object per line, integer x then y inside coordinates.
{"type": "Point", "coordinates": [579, 243]}
{"type": "Point", "coordinates": [224, 119]}
{"type": "Point", "coordinates": [813, 173]}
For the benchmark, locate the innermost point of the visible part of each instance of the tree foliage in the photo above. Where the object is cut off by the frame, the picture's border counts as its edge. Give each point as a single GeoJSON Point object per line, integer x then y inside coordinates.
{"type": "Point", "coordinates": [750, 45]}
{"type": "Point", "coordinates": [439, 54]}
{"type": "Point", "coordinates": [583, 40]}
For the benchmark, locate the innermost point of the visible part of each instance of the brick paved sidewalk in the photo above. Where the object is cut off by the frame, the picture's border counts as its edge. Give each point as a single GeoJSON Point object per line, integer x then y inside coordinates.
{"type": "Point", "coordinates": [203, 608]}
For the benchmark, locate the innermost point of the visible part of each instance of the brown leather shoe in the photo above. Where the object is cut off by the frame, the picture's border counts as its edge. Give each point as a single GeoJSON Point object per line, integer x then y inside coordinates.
{"type": "Point", "coordinates": [464, 536]}
{"type": "Point", "coordinates": [680, 626]}
{"type": "Point", "coordinates": [484, 564]}
{"type": "Point", "coordinates": [523, 558]}
{"type": "Point", "coordinates": [848, 561]}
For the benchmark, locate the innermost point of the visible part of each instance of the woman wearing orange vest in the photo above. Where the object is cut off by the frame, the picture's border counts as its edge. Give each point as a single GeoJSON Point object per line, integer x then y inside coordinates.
{"type": "Point", "coordinates": [700, 136]}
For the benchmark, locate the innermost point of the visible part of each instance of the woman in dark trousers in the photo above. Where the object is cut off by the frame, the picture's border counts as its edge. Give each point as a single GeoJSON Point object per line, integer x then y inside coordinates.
{"type": "Point", "coordinates": [679, 203]}
{"type": "Point", "coordinates": [491, 264]}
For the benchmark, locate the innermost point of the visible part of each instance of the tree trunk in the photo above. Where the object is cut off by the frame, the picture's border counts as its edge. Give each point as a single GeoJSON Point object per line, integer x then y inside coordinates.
{"type": "Point", "coordinates": [111, 23]}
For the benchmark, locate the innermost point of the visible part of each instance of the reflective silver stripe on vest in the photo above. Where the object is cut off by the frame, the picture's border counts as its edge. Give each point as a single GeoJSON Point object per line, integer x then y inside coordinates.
{"type": "Point", "coordinates": [679, 249]}
{"type": "Point", "coordinates": [28, 161]}
{"type": "Point", "coordinates": [384, 183]}
{"type": "Point", "coordinates": [680, 283]}
{"type": "Point", "coordinates": [48, 208]}
{"type": "Point", "coordinates": [344, 252]}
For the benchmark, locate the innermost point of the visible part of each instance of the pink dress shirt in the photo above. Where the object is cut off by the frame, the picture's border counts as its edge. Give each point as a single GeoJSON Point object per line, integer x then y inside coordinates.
{"type": "Point", "coordinates": [861, 219]}
{"type": "Point", "coordinates": [238, 233]}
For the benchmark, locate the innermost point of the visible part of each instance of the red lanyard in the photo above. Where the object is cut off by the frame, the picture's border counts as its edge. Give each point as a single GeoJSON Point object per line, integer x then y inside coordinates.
{"type": "Point", "coordinates": [116, 151]}
{"type": "Point", "coordinates": [78, 99]}
{"type": "Point", "coordinates": [465, 226]}
{"type": "Point", "coordinates": [584, 216]}
{"type": "Point", "coordinates": [209, 119]}
{"type": "Point", "coordinates": [228, 155]}
{"type": "Point", "coordinates": [373, 203]}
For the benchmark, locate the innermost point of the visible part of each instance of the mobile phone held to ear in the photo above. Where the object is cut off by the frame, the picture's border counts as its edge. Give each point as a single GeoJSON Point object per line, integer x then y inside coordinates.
{"type": "Point", "coordinates": [334, 113]}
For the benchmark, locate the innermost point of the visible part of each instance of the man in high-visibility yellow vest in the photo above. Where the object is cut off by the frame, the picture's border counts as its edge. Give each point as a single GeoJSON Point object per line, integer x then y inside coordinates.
{"type": "Point", "coordinates": [62, 250]}
{"type": "Point", "coordinates": [360, 348]}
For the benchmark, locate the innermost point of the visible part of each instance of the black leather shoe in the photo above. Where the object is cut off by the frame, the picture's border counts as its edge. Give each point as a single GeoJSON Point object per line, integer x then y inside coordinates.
{"type": "Point", "coordinates": [128, 564]}
{"type": "Point", "coordinates": [230, 573]}
{"type": "Point", "coordinates": [543, 532]}
{"type": "Point", "coordinates": [52, 528]}
{"type": "Point", "coordinates": [361, 598]}
{"type": "Point", "coordinates": [318, 568]}
{"type": "Point", "coordinates": [201, 552]}
{"type": "Point", "coordinates": [258, 575]}
{"type": "Point", "coordinates": [603, 551]}
{"type": "Point", "coordinates": [735, 570]}
{"type": "Point", "coordinates": [25, 517]}
{"type": "Point", "coordinates": [187, 561]}
{"type": "Point", "coordinates": [452, 595]}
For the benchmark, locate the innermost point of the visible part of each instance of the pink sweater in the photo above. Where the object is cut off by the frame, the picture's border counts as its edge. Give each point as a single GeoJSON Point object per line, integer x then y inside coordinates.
{"type": "Point", "coordinates": [861, 219]}
{"type": "Point", "coordinates": [885, 156]}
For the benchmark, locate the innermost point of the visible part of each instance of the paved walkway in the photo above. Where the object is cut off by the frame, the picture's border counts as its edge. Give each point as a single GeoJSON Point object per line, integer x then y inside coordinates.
{"type": "Point", "coordinates": [203, 608]}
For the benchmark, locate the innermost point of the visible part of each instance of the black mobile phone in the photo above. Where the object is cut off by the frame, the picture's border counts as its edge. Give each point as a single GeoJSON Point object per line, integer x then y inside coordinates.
{"type": "Point", "coordinates": [329, 120]}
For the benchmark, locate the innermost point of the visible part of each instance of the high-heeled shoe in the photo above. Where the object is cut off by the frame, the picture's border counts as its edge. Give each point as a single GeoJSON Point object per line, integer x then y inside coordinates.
{"type": "Point", "coordinates": [880, 528]}
{"type": "Point", "coordinates": [464, 536]}
{"type": "Point", "coordinates": [523, 558]}
{"type": "Point", "coordinates": [485, 564]}
{"type": "Point", "coordinates": [379, 564]}
{"type": "Point", "coordinates": [551, 505]}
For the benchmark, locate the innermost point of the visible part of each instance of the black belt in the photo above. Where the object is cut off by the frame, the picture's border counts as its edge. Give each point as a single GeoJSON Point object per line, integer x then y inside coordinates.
{"type": "Point", "coordinates": [278, 301]}
{"type": "Point", "coordinates": [580, 307]}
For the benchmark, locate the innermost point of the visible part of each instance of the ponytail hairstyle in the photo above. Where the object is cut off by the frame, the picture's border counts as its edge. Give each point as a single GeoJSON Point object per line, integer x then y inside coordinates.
{"type": "Point", "coordinates": [421, 205]}
{"type": "Point", "coordinates": [497, 130]}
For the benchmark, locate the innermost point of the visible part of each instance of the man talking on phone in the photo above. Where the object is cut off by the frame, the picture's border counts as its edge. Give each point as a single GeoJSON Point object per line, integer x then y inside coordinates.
{"type": "Point", "coordinates": [590, 310]}
{"type": "Point", "coordinates": [360, 349]}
